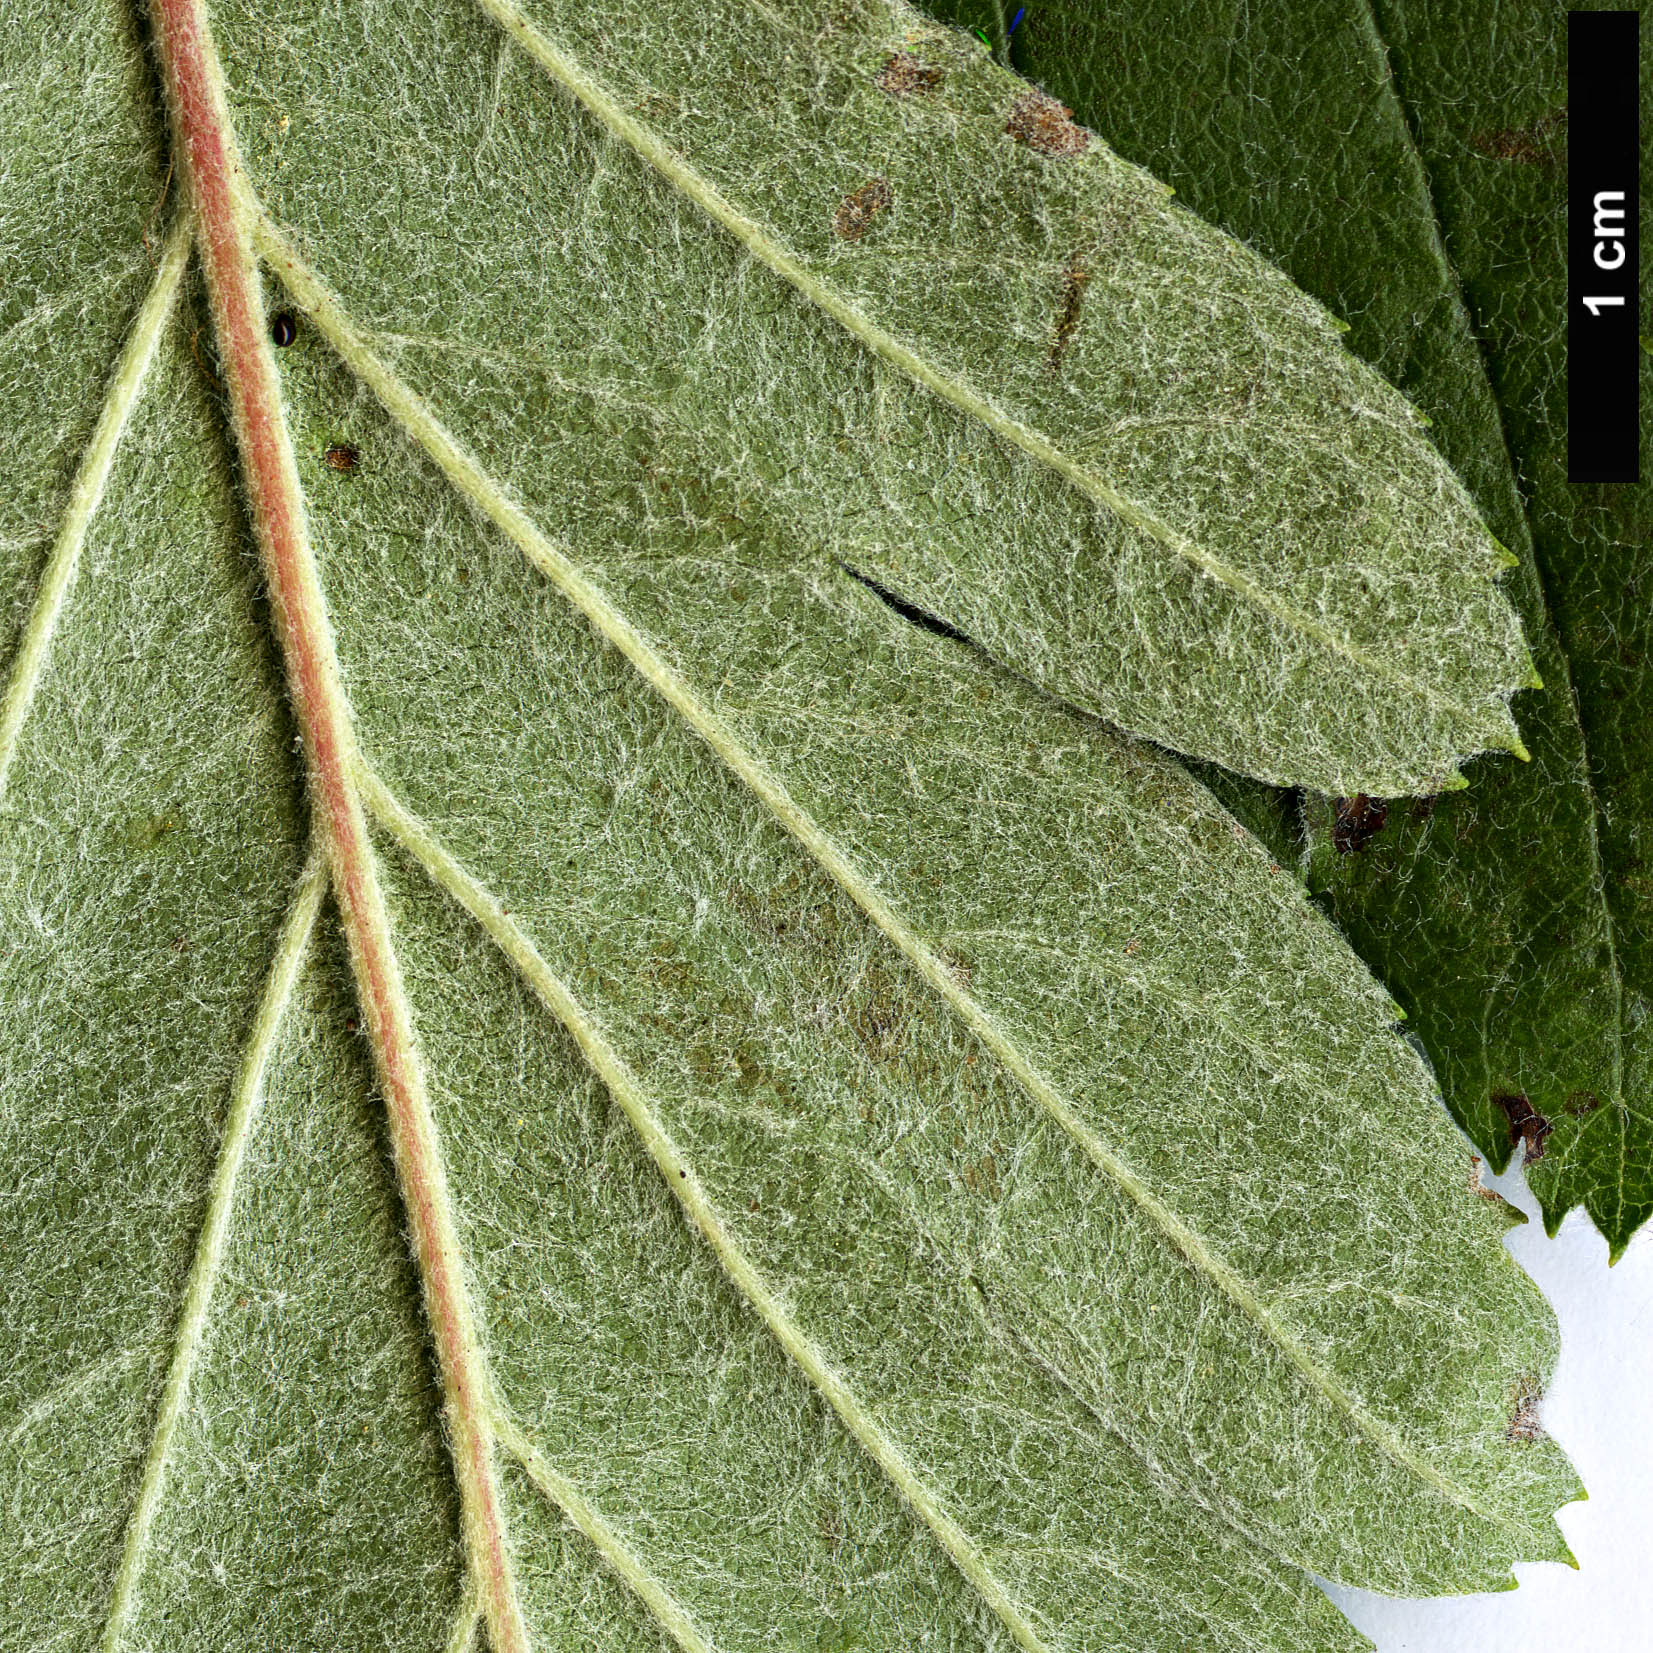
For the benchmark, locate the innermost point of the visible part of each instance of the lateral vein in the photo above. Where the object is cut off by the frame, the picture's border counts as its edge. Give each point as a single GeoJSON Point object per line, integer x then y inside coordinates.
{"type": "Point", "coordinates": [668, 1612]}
{"type": "Point", "coordinates": [211, 1244]}
{"type": "Point", "coordinates": [470, 480]}
{"type": "Point", "coordinates": [693, 184]}
{"type": "Point", "coordinates": [91, 477]}
{"type": "Point", "coordinates": [680, 1177]}
{"type": "Point", "coordinates": [462, 1638]}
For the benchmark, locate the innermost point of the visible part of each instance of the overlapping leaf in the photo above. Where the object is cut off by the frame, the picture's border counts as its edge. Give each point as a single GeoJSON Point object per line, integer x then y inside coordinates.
{"type": "Point", "coordinates": [1407, 167]}
{"type": "Point", "coordinates": [902, 1136]}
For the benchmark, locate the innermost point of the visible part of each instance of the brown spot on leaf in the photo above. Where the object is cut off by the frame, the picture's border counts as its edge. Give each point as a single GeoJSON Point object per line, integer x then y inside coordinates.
{"type": "Point", "coordinates": [1356, 822]}
{"type": "Point", "coordinates": [1524, 1422]}
{"type": "Point", "coordinates": [905, 77]}
{"type": "Point", "coordinates": [341, 456]}
{"type": "Point", "coordinates": [1581, 1103]}
{"type": "Point", "coordinates": [880, 1014]}
{"type": "Point", "coordinates": [1527, 1125]}
{"type": "Point", "coordinates": [1070, 298]}
{"type": "Point", "coordinates": [1046, 127]}
{"type": "Point", "coordinates": [1533, 144]}
{"type": "Point", "coordinates": [858, 209]}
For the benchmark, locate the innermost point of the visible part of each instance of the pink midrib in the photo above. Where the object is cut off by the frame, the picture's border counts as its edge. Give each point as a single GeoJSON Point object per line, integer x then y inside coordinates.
{"type": "Point", "coordinates": [277, 512]}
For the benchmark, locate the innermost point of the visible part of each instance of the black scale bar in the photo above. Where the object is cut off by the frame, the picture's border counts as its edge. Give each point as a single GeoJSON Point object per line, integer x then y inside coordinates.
{"type": "Point", "coordinates": [1603, 244]}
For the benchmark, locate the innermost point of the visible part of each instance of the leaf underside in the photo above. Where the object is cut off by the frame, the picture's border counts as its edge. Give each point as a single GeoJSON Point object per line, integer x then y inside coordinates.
{"type": "Point", "coordinates": [1406, 166]}
{"type": "Point", "coordinates": [1033, 1273]}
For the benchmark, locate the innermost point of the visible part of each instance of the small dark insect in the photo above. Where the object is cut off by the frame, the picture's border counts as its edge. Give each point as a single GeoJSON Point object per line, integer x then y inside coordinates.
{"type": "Point", "coordinates": [342, 457]}
{"type": "Point", "coordinates": [1356, 822]}
{"type": "Point", "coordinates": [858, 209]}
{"type": "Point", "coordinates": [1527, 1125]}
{"type": "Point", "coordinates": [351, 1024]}
{"type": "Point", "coordinates": [283, 329]}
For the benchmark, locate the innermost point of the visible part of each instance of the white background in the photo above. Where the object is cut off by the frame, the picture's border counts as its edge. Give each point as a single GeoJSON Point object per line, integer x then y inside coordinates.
{"type": "Point", "coordinates": [1599, 1407]}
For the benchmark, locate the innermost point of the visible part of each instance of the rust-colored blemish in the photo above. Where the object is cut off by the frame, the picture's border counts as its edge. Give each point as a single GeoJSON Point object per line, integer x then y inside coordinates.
{"type": "Point", "coordinates": [341, 456]}
{"type": "Point", "coordinates": [1047, 127]}
{"type": "Point", "coordinates": [905, 77]}
{"type": "Point", "coordinates": [1527, 1125]}
{"type": "Point", "coordinates": [858, 209]}
{"type": "Point", "coordinates": [1532, 144]}
{"type": "Point", "coordinates": [1356, 822]}
{"type": "Point", "coordinates": [1476, 1186]}
{"type": "Point", "coordinates": [1580, 1104]}
{"type": "Point", "coordinates": [1070, 299]}
{"type": "Point", "coordinates": [1524, 1424]}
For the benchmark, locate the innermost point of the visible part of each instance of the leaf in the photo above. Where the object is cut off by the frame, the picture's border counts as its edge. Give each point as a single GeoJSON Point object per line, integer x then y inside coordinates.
{"type": "Point", "coordinates": [735, 1160]}
{"type": "Point", "coordinates": [1374, 667]}
{"type": "Point", "coordinates": [1407, 169]}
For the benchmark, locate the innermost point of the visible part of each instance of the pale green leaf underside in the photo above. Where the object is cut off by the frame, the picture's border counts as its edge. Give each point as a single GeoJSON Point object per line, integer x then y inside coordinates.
{"type": "Point", "coordinates": [1213, 525]}
{"type": "Point", "coordinates": [1073, 1253]}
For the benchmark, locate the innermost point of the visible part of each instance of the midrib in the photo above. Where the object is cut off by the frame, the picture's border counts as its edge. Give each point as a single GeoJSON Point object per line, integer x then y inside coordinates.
{"type": "Point", "coordinates": [471, 481]}
{"type": "Point", "coordinates": [688, 181]}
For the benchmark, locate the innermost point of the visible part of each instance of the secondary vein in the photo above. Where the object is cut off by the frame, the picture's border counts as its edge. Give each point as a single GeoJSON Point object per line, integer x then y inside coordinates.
{"type": "Point", "coordinates": [668, 1612]}
{"type": "Point", "coordinates": [468, 477]}
{"type": "Point", "coordinates": [91, 477]}
{"type": "Point", "coordinates": [462, 1638]}
{"type": "Point", "coordinates": [680, 1177]}
{"type": "Point", "coordinates": [214, 1236]}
